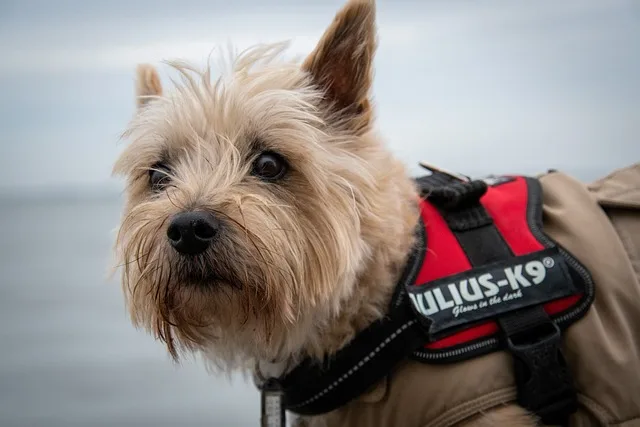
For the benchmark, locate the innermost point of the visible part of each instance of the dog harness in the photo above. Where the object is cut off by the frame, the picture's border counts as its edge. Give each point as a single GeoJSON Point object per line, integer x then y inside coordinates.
{"type": "Point", "coordinates": [482, 277]}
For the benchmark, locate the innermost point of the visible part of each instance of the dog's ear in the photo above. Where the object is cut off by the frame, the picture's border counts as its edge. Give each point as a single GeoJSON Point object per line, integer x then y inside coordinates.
{"type": "Point", "coordinates": [148, 84]}
{"type": "Point", "coordinates": [342, 62]}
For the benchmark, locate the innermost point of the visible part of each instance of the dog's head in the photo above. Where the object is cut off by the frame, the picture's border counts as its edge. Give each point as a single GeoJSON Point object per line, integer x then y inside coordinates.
{"type": "Point", "coordinates": [254, 198]}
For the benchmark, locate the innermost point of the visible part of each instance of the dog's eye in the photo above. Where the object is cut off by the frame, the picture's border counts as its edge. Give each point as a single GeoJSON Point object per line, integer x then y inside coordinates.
{"type": "Point", "coordinates": [158, 176]}
{"type": "Point", "coordinates": [269, 166]}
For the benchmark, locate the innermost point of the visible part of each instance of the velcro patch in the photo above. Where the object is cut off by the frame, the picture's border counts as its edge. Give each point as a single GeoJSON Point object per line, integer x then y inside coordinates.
{"type": "Point", "coordinates": [490, 291]}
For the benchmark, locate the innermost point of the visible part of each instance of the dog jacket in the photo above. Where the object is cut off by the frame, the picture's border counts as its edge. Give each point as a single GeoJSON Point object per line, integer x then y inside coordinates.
{"type": "Point", "coordinates": [520, 290]}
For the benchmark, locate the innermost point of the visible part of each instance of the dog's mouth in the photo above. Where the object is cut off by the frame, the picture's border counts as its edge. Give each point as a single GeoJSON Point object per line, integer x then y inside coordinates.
{"type": "Point", "coordinates": [202, 273]}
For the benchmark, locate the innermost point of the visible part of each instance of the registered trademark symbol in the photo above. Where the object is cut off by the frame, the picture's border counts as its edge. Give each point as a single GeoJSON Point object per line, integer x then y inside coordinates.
{"type": "Point", "coordinates": [548, 262]}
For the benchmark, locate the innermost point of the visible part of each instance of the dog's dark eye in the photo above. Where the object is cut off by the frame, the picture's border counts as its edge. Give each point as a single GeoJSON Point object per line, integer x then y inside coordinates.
{"type": "Point", "coordinates": [158, 176]}
{"type": "Point", "coordinates": [269, 166]}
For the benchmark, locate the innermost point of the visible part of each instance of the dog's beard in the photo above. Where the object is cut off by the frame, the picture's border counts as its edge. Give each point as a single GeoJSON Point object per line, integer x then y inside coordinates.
{"type": "Point", "coordinates": [209, 270]}
{"type": "Point", "coordinates": [237, 292]}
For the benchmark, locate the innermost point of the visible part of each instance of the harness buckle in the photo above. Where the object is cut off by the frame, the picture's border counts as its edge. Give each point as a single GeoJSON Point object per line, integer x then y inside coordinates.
{"type": "Point", "coordinates": [545, 385]}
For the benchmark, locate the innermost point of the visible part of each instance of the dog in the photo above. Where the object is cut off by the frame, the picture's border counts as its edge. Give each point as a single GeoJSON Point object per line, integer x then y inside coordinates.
{"type": "Point", "coordinates": [267, 223]}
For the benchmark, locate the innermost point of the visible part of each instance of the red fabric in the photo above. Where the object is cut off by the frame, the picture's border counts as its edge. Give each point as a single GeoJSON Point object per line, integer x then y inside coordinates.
{"type": "Point", "coordinates": [444, 255]}
{"type": "Point", "coordinates": [482, 330]}
{"type": "Point", "coordinates": [507, 205]}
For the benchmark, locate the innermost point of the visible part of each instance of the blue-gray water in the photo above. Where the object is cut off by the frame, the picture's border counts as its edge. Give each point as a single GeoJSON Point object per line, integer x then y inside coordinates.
{"type": "Point", "coordinates": [68, 355]}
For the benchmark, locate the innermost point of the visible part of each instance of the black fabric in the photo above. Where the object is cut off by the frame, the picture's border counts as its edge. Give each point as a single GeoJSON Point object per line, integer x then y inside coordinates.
{"type": "Point", "coordinates": [485, 244]}
{"type": "Point", "coordinates": [545, 384]}
{"type": "Point", "coordinates": [523, 323]}
{"type": "Point", "coordinates": [458, 195]}
{"type": "Point", "coordinates": [314, 389]}
{"type": "Point", "coordinates": [428, 183]}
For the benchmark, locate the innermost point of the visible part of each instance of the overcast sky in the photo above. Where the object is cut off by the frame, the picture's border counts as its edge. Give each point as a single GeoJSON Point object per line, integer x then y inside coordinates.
{"type": "Point", "coordinates": [475, 86]}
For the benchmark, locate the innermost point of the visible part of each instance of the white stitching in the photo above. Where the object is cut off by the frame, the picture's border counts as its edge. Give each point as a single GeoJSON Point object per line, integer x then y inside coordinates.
{"type": "Point", "coordinates": [356, 366]}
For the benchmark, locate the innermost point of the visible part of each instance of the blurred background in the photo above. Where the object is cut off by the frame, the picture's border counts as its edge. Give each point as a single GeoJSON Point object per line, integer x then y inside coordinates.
{"type": "Point", "coordinates": [474, 86]}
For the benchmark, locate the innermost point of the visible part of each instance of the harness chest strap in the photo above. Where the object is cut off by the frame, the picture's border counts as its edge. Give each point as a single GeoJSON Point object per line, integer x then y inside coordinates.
{"type": "Point", "coordinates": [491, 280]}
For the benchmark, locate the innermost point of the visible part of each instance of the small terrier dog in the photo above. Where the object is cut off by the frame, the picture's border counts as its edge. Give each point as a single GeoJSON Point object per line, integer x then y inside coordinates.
{"type": "Point", "coordinates": [265, 219]}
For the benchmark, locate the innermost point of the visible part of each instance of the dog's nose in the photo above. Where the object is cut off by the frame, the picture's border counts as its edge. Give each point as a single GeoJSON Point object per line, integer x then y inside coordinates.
{"type": "Point", "coordinates": [191, 233]}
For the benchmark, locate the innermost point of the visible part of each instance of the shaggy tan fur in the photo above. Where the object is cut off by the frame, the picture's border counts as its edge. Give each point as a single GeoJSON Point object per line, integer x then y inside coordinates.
{"type": "Point", "coordinates": [304, 263]}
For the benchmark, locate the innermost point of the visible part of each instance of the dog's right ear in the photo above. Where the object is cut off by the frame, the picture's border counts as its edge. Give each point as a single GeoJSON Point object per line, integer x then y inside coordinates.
{"type": "Point", "coordinates": [342, 62]}
{"type": "Point", "coordinates": [148, 84]}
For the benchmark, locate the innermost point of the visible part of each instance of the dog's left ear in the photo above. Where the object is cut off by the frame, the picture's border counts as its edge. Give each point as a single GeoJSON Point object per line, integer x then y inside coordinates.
{"type": "Point", "coordinates": [148, 84]}
{"type": "Point", "coordinates": [342, 62]}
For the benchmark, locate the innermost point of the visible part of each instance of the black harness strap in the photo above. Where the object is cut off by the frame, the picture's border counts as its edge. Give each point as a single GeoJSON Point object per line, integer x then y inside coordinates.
{"type": "Point", "coordinates": [544, 383]}
{"type": "Point", "coordinates": [313, 388]}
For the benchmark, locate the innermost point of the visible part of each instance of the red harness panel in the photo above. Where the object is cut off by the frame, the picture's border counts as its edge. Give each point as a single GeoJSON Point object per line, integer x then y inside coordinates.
{"type": "Point", "coordinates": [508, 206]}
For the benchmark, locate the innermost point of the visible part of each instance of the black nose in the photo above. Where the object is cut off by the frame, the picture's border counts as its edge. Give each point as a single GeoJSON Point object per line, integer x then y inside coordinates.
{"type": "Point", "coordinates": [191, 233]}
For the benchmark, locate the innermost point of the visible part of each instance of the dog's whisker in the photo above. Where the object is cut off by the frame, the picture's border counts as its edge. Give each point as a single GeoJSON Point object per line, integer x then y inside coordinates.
{"type": "Point", "coordinates": [131, 261]}
{"type": "Point", "coordinates": [166, 192]}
